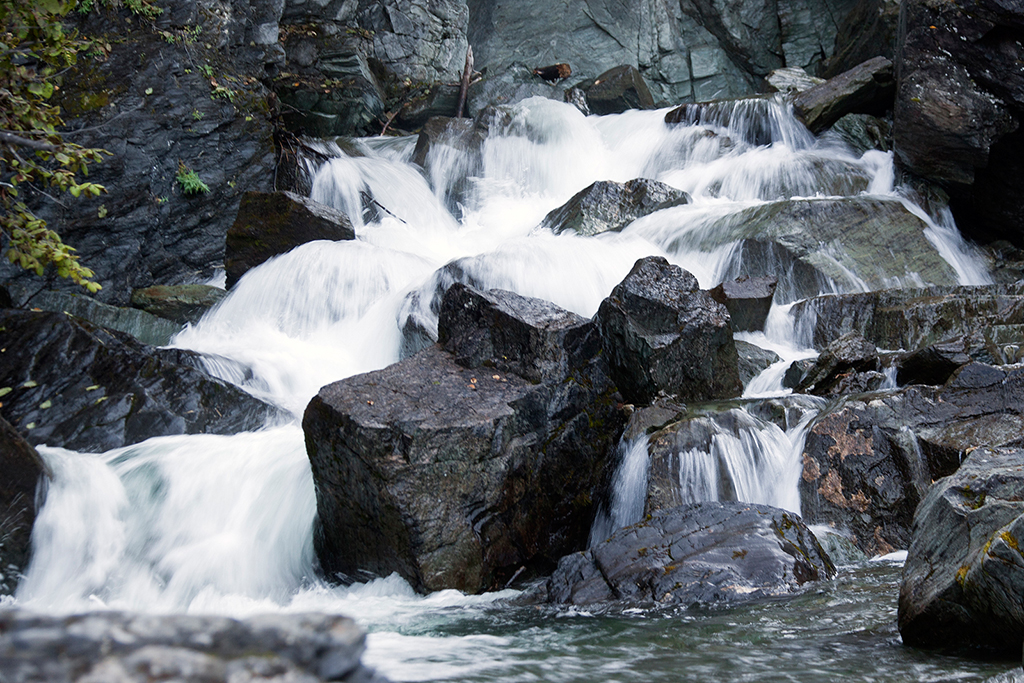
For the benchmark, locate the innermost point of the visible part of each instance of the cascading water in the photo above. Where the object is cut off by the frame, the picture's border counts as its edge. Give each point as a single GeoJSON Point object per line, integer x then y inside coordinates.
{"type": "Point", "coordinates": [216, 524]}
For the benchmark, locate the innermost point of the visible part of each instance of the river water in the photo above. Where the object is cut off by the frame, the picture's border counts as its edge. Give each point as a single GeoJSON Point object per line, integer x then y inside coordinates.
{"type": "Point", "coordinates": [223, 524]}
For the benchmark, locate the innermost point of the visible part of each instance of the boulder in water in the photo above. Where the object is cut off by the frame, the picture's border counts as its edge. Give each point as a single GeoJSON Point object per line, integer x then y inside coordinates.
{"type": "Point", "coordinates": [661, 333]}
{"type": "Point", "coordinates": [849, 365]}
{"type": "Point", "coordinates": [790, 80]}
{"type": "Point", "coordinates": [608, 206]}
{"type": "Point", "coordinates": [87, 388]}
{"type": "Point", "coordinates": [178, 303]}
{"type": "Point", "coordinates": [753, 360]}
{"type": "Point", "coordinates": [865, 89]}
{"type": "Point", "coordinates": [695, 555]}
{"type": "Point", "coordinates": [454, 469]}
{"type": "Point", "coordinates": [114, 646]}
{"type": "Point", "coordinates": [272, 223]}
{"type": "Point", "coordinates": [618, 90]}
{"type": "Point", "coordinates": [23, 478]}
{"type": "Point", "coordinates": [963, 581]}
{"type": "Point", "coordinates": [748, 301]}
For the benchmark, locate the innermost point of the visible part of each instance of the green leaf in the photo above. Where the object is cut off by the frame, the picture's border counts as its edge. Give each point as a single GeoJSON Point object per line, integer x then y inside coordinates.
{"type": "Point", "coordinates": [29, 384]}
{"type": "Point", "coordinates": [94, 387]}
{"type": "Point", "coordinates": [45, 404]}
{"type": "Point", "coordinates": [30, 425]}
{"type": "Point", "coordinates": [4, 391]}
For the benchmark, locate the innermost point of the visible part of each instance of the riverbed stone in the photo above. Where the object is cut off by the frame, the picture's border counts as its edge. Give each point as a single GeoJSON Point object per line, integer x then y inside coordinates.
{"type": "Point", "coordinates": [963, 581]}
{"type": "Point", "coordinates": [137, 648]}
{"type": "Point", "coordinates": [272, 223]}
{"type": "Point", "coordinates": [748, 301]}
{"type": "Point", "coordinates": [454, 469]}
{"type": "Point", "coordinates": [22, 490]}
{"type": "Point", "coordinates": [609, 206]}
{"type": "Point", "coordinates": [849, 365]}
{"type": "Point", "coordinates": [865, 89]}
{"type": "Point", "coordinates": [661, 333]}
{"type": "Point", "coordinates": [87, 388]}
{"type": "Point", "coordinates": [617, 90]}
{"type": "Point", "coordinates": [701, 554]}
{"type": "Point", "coordinates": [178, 303]}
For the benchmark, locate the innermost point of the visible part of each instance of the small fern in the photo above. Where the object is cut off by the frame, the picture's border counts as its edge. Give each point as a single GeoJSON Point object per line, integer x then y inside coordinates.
{"type": "Point", "coordinates": [190, 181]}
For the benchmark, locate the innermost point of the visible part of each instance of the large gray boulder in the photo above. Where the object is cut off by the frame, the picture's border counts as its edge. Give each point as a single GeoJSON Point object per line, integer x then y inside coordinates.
{"type": "Point", "coordinates": [959, 108]}
{"type": "Point", "coordinates": [695, 555]}
{"type": "Point", "coordinates": [460, 465]}
{"type": "Point", "coordinates": [608, 206]}
{"type": "Point", "coordinates": [661, 333]}
{"type": "Point", "coordinates": [138, 648]}
{"type": "Point", "coordinates": [865, 89]}
{"type": "Point", "coordinates": [23, 480]}
{"type": "Point", "coordinates": [87, 388]}
{"type": "Point", "coordinates": [963, 581]}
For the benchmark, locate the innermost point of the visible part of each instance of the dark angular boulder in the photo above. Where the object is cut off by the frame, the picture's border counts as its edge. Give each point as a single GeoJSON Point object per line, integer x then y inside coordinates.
{"type": "Point", "coordinates": [865, 89]}
{"type": "Point", "coordinates": [747, 299]}
{"type": "Point", "coordinates": [848, 365]}
{"type": "Point", "coordinates": [753, 360]}
{"type": "Point", "coordinates": [963, 581]}
{"type": "Point", "coordinates": [272, 223]}
{"type": "Point", "coordinates": [23, 477]}
{"type": "Point", "coordinates": [114, 646]}
{"type": "Point", "coordinates": [179, 303]}
{"type": "Point", "coordinates": [88, 388]}
{"type": "Point", "coordinates": [618, 90]}
{"type": "Point", "coordinates": [608, 206]}
{"type": "Point", "coordinates": [869, 30]}
{"type": "Point", "coordinates": [695, 555]}
{"type": "Point", "coordinates": [661, 333]}
{"type": "Point", "coordinates": [453, 469]}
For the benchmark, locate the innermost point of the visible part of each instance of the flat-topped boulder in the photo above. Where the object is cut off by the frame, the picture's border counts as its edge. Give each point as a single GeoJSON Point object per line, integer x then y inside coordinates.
{"type": "Point", "coordinates": [454, 469]}
{"type": "Point", "coordinates": [695, 555]}
{"type": "Point", "coordinates": [609, 206]}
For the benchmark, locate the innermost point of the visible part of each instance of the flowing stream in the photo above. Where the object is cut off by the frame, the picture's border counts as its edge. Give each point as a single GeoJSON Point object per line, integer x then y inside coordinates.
{"type": "Point", "coordinates": [223, 524]}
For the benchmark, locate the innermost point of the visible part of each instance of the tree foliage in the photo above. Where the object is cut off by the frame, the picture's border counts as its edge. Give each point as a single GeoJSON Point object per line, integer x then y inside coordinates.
{"type": "Point", "coordinates": [35, 51]}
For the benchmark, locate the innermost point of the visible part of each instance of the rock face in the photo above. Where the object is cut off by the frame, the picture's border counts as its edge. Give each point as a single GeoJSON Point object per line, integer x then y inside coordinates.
{"type": "Point", "coordinates": [608, 206]}
{"type": "Point", "coordinates": [699, 554]}
{"type": "Point", "coordinates": [110, 646]}
{"type": "Point", "coordinates": [963, 582]}
{"type": "Point", "coordinates": [865, 89]}
{"type": "Point", "coordinates": [662, 334]}
{"type": "Point", "coordinates": [273, 223]}
{"type": "Point", "coordinates": [959, 108]}
{"type": "Point", "coordinates": [748, 301]}
{"type": "Point", "coordinates": [461, 464]}
{"type": "Point", "coordinates": [90, 389]}
{"type": "Point", "coordinates": [868, 460]}
{"type": "Point", "coordinates": [23, 479]}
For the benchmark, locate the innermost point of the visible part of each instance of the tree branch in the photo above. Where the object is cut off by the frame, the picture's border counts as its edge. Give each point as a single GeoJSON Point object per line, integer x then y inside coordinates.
{"type": "Point", "coordinates": [25, 142]}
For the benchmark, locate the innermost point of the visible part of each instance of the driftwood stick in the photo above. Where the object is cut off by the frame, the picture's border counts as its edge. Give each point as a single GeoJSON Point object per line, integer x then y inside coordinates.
{"type": "Point", "coordinates": [467, 74]}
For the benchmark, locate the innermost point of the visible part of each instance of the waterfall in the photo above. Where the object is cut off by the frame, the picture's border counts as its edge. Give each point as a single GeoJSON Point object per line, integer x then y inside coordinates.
{"type": "Point", "coordinates": [224, 524]}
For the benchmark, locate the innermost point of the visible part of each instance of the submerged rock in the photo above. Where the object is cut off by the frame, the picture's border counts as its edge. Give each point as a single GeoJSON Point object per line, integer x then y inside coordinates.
{"type": "Point", "coordinates": [697, 554]}
{"type": "Point", "coordinates": [137, 648]}
{"type": "Point", "coordinates": [608, 206]}
{"type": "Point", "coordinates": [272, 223]}
{"type": "Point", "coordinates": [661, 333]}
{"type": "Point", "coordinates": [91, 389]}
{"type": "Point", "coordinates": [963, 581]}
{"type": "Point", "coordinates": [458, 468]}
{"type": "Point", "coordinates": [23, 478]}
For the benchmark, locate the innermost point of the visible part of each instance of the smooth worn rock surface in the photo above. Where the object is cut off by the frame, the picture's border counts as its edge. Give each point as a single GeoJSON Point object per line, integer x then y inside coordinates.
{"type": "Point", "coordinates": [23, 479]}
{"type": "Point", "coordinates": [608, 206]}
{"type": "Point", "coordinates": [963, 581]}
{"type": "Point", "coordinates": [114, 647]}
{"type": "Point", "coordinates": [661, 333]}
{"type": "Point", "coordinates": [87, 388]}
{"type": "Point", "coordinates": [747, 299]}
{"type": "Point", "coordinates": [699, 554]}
{"type": "Point", "coordinates": [456, 475]}
{"type": "Point", "coordinates": [273, 223]}
{"type": "Point", "coordinates": [178, 303]}
{"type": "Point", "coordinates": [865, 89]}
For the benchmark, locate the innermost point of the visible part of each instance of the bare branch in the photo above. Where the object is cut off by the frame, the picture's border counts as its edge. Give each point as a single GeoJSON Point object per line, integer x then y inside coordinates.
{"type": "Point", "coordinates": [25, 142]}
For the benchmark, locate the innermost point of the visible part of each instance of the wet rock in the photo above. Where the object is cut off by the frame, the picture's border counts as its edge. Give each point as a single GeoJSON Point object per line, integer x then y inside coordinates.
{"type": "Point", "coordinates": [747, 119]}
{"type": "Point", "coordinates": [112, 646]}
{"type": "Point", "coordinates": [441, 467]}
{"type": "Point", "coordinates": [865, 89]}
{"type": "Point", "coordinates": [748, 301]}
{"type": "Point", "coordinates": [753, 360]}
{"type": "Point", "coordinates": [791, 80]}
{"type": "Point", "coordinates": [22, 489]}
{"type": "Point", "coordinates": [912, 319]}
{"type": "Point", "coordinates": [272, 223]}
{"type": "Point", "coordinates": [87, 388]}
{"type": "Point", "coordinates": [662, 334]}
{"type": "Point", "coordinates": [963, 581]}
{"type": "Point", "coordinates": [608, 206]}
{"type": "Point", "coordinates": [841, 369]}
{"type": "Point", "coordinates": [959, 109]}
{"type": "Point", "coordinates": [869, 459]}
{"type": "Point", "coordinates": [869, 30]}
{"type": "Point", "coordinates": [807, 243]}
{"type": "Point", "coordinates": [179, 303]}
{"type": "Point", "coordinates": [698, 554]}
{"type": "Point", "coordinates": [618, 90]}
{"type": "Point", "coordinates": [863, 132]}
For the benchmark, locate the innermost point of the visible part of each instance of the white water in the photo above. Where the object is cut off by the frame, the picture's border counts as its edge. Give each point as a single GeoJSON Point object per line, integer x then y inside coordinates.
{"type": "Point", "coordinates": [211, 524]}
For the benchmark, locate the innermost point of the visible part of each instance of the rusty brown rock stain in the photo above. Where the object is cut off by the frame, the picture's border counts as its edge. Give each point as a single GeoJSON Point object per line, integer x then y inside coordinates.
{"type": "Point", "coordinates": [847, 441]}
{"type": "Point", "coordinates": [811, 469]}
{"type": "Point", "coordinates": [831, 489]}
{"type": "Point", "coordinates": [882, 547]}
